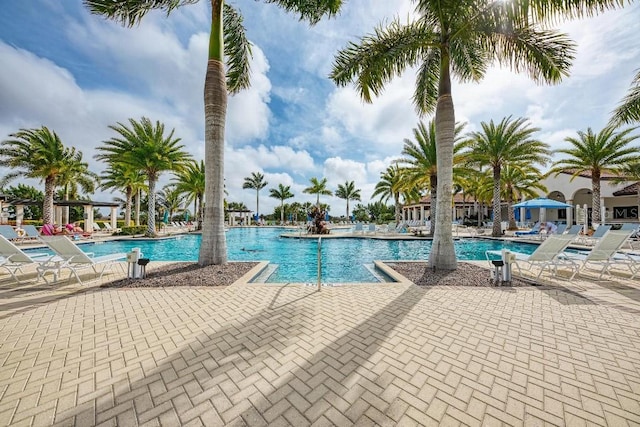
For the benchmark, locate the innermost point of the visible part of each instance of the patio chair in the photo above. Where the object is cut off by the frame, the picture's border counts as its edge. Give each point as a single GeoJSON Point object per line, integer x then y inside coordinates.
{"type": "Point", "coordinates": [110, 229]}
{"type": "Point", "coordinates": [371, 228]}
{"type": "Point", "coordinates": [358, 228]}
{"type": "Point", "coordinates": [534, 231]}
{"type": "Point", "coordinates": [9, 233]}
{"type": "Point", "coordinates": [605, 253]}
{"type": "Point", "coordinates": [13, 259]}
{"type": "Point", "coordinates": [546, 255]}
{"type": "Point", "coordinates": [71, 257]}
{"type": "Point", "coordinates": [595, 237]}
{"type": "Point", "coordinates": [574, 230]}
{"type": "Point", "coordinates": [31, 232]}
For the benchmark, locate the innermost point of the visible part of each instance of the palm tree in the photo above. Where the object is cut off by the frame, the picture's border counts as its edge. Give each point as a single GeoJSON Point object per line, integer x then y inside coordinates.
{"type": "Point", "coordinates": [255, 182]}
{"type": "Point", "coordinates": [595, 153]}
{"type": "Point", "coordinates": [227, 39]}
{"type": "Point", "coordinates": [37, 153]}
{"type": "Point", "coordinates": [464, 38]}
{"type": "Point", "coordinates": [421, 163]}
{"type": "Point", "coordinates": [319, 188]}
{"type": "Point", "coordinates": [629, 109]}
{"type": "Point", "coordinates": [171, 199]}
{"type": "Point", "coordinates": [348, 192]}
{"type": "Point", "coordinates": [122, 177]}
{"type": "Point", "coordinates": [391, 185]}
{"type": "Point", "coordinates": [498, 145]}
{"type": "Point", "coordinates": [519, 181]}
{"type": "Point", "coordinates": [191, 182]}
{"type": "Point", "coordinates": [75, 173]}
{"type": "Point", "coordinates": [281, 193]}
{"type": "Point", "coordinates": [144, 146]}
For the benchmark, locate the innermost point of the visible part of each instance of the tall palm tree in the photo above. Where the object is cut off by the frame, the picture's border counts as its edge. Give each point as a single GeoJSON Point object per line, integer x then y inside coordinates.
{"type": "Point", "coordinates": [629, 109]}
{"type": "Point", "coordinates": [255, 182]}
{"type": "Point", "coordinates": [122, 177]}
{"type": "Point", "coordinates": [348, 192]}
{"type": "Point", "coordinates": [145, 147]}
{"type": "Point", "coordinates": [519, 181]}
{"type": "Point", "coordinates": [191, 182]}
{"type": "Point", "coordinates": [281, 193]}
{"type": "Point", "coordinates": [227, 40]}
{"type": "Point", "coordinates": [75, 174]}
{"type": "Point", "coordinates": [462, 38]}
{"type": "Point", "coordinates": [421, 161]}
{"type": "Point", "coordinates": [40, 154]}
{"type": "Point", "coordinates": [501, 144]}
{"type": "Point", "coordinates": [171, 199]}
{"type": "Point", "coordinates": [318, 187]}
{"type": "Point", "coordinates": [391, 185]}
{"type": "Point", "coordinates": [595, 153]}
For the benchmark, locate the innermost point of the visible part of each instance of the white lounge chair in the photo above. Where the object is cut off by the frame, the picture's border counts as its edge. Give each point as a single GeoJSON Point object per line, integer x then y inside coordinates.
{"type": "Point", "coordinates": [605, 253]}
{"type": "Point", "coordinates": [9, 233]}
{"type": "Point", "coordinates": [595, 237]}
{"type": "Point", "coordinates": [546, 255]}
{"type": "Point", "coordinates": [71, 257]}
{"type": "Point", "coordinates": [358, 228]}
{"type": "Point", "coordinates": [13, 259]}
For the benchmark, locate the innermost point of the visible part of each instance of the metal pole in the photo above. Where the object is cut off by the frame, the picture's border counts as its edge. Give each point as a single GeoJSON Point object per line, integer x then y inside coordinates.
{"type": "Point", "coordinates": [319, 263]}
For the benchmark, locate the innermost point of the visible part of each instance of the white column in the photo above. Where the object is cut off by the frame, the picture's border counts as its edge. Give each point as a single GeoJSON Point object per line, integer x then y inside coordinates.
{"type": "Point", "coordinates": [19, 215]}
{"type": "Point", "coordinates": [603, 218]}
{"type": "Point", "coordinates": [569, 214]}
{"type": "Point", "coordinates": [114, 217]}
{"type": "Point", "coordinates": [422, 216]}
{"type": "Point", "coordinates": [88, 218]}
{"type": "Point", "coordinates": [58, 215]}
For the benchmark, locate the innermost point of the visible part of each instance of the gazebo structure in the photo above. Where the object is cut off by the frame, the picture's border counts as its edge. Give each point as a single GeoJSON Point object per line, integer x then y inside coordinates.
{"type": "Point", "coordinates": [58, 206]}
{"type": "Point", "coordinates": [244, 215]}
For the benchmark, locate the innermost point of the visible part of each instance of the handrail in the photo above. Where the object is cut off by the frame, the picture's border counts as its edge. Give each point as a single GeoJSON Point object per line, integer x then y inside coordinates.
{"type": "Point", "coordinates": [319, 263]}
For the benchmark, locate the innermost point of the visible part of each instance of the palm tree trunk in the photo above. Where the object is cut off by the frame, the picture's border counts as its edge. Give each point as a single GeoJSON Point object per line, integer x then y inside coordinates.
{"type": "Point", "coordinates": [434, 203]}
{"type": "Point", "coordinates": [443, 255]}
{"type": "Point", "coordinates": [398, 207]}
{"type": "Point", "coordinates": [151, 209]}
{"type": "Point", "coordinates": [47, 208]}
{"type": "Point", "coordinates": [65, 210]}
{"type": "Point", "coordinates": [257, 202]}
{"type": "Point", "coordinates": [596, 215]}
{"type": "Point", "coordinates": [138, 197]}
{"type": "Point", "coordinates": [497, 211]}
{"type": "Point", "coordinates": [347, 209]}
{"type": "Point", "coordinates": [127, 207]}
{"type": "Point", "coordinates": [282, 211]}
{"type": "Point", "coordinates": [213, 248]}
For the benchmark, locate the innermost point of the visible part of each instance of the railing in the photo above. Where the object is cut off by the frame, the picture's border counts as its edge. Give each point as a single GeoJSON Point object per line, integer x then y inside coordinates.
{"type": "Point", "coordinates": [319, 263]}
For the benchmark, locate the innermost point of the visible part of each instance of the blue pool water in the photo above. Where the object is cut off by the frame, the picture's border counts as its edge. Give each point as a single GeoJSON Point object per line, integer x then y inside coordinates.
{"type": "Point", "coordinates": [343, 260]}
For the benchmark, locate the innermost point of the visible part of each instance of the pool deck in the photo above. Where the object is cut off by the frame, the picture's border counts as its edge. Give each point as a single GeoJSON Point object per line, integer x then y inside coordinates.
{"type": "Point", "coordinates": [565, 353]}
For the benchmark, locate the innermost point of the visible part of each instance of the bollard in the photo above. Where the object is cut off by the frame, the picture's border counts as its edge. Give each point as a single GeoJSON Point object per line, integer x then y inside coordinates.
{"type": "Point", "coordinates": [133, 270]}
{"type": "Point", "coordinates": [508, 258]}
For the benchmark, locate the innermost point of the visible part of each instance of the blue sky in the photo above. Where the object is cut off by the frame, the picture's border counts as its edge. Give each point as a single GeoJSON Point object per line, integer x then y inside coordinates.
{"type": "Point", "coordinates": [77, 74]}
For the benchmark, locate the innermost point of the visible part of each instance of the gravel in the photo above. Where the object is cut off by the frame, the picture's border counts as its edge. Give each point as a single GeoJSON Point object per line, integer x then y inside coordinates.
{"type": "Point", "coordinates": [187, 274]}
{"type": "Point", "coordinates": [465, 275]}
{"type": "Point", "coordinates": [190, 274]}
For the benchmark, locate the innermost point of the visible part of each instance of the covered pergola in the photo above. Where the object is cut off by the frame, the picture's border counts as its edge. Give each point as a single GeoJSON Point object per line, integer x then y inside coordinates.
{"type": "Point", "coordinates": [58, 206]}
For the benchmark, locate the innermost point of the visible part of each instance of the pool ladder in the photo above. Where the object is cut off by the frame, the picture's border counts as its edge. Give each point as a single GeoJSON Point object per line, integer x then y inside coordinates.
{"type": "Point", "coordinates": [319, 263]}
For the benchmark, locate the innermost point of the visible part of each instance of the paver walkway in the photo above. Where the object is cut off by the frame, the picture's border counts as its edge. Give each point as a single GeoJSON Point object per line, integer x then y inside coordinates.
{"type": "Point", "coordinates": [353, 355]}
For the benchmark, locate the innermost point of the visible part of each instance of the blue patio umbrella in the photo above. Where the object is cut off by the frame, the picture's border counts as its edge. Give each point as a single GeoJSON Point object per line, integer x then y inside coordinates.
{"type": "Point", "coordinates": [165, 218]}
{"type": "Point", "coordinates": [516, 214]}
{"type": "Point", "coordinates": [542, 202]}
{"type": "Point", "coordinates": [527, 213]}
{"type": "Point", "coordinates": [186, 216]}
{"type": "Point", "coordinates": [326, 216]}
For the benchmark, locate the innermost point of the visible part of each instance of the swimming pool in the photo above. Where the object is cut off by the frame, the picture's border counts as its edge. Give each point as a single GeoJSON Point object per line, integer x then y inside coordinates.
{"type": "Point", "coordinates": [343, 260]}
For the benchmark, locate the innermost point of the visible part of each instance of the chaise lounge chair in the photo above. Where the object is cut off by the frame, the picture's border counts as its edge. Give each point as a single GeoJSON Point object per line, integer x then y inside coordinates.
{"type": "Point", "coordinates": [533, 232]}
{"type": "Point", "coordinates": [605, 253]}
{"type": "Point", "coordinates": [13, 259]}
{"type": "Point", "coordinates": [547, 255]}
{"type": "Point", "coordinates": [71, 257]}
{"type": "Point", "coordinates": [9, 233]}
{"type": "Point", "coordinates": [595, 237]}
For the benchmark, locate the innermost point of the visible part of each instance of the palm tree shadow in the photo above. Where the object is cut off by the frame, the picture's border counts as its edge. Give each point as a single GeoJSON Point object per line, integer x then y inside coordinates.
{"type": "Point", "coordinates": [283, 350]}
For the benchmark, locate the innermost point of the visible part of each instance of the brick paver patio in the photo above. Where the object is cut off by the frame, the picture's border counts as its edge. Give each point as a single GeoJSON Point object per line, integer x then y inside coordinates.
{"type": "Point", "coordinates": [567, 354]}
